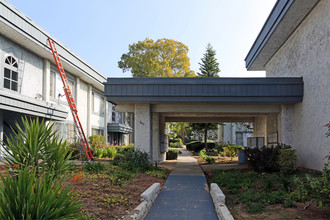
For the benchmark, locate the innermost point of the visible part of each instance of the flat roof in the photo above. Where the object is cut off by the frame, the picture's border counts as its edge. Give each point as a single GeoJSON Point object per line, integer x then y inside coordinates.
{"type": "Point", "coordinates": [220, 90]}
{"type": "Point", "coordinates": [283, 20]}
{"type": "Point", "coordinates": [21, 29]}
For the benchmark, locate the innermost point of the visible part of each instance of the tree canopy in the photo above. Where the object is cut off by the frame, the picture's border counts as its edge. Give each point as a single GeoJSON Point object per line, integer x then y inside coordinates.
{"type": "Point", "coordinates": [163, 58]}
{"type": "Point", "coordinates": [209, 66]}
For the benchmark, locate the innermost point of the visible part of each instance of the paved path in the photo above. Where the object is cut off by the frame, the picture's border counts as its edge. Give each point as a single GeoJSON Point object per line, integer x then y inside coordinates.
{"type": "Point", "coordinates": [185, 194]}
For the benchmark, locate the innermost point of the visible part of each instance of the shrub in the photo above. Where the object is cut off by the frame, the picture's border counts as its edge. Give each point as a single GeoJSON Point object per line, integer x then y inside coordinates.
{"type": "Point", "coordinates": [231, 150]}
{"type": "Point", "coordinates": [176, 142]}
{"type": "Point", "coordinates": [35, 144]}
{"type": "Point", "coordinates": [94, 167]}
{"type": "Point", "coordinates": [172, 154]}
{"type": "Point", "coordinates": [28, 197]}
{"type": "Point", "coordinates": [317, 188]}
{"type": "Point", "coordinates": [266, 158]}
{"type": "Point", "coordinates": [206, 158]}
{"type": "Point", "coordinates": [287, 161]}
{"type": "Point", "coordinates": [135, 161]}
{"type": "Point", "coordinates": [125, 148]}
{"type": "Point", "coordinates": [197, 146]}
{"type": "Point", "coordinates": [96, 141]}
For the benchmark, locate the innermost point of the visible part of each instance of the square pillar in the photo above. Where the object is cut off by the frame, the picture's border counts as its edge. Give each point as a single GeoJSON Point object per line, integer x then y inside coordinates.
{"type": "Point", "coordinates": [142, 122]}
{"type": "Point", "coordinates": [260, 128]}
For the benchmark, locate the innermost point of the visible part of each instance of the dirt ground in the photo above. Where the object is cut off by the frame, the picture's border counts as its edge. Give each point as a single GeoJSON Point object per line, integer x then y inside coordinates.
{"type": "Point", "coordinates": [103, 200]}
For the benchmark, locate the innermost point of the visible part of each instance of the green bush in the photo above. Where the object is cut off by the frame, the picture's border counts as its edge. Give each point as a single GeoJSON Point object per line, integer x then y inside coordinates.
{"type": "Point", "coordinates": [36, 145]}
{"type": "Point", "coordinates": [287, 161]}
{"type": "Point", "coordinates": [316, 188]}
{"type": "Point", "coordinates": [172, 154]}
{"type": "Point", "coordinates": [176, 142]}
{"type": "Point", "coordinates": [266, 158]}
{"type": "Point", "coordinates": [135, 161]}
{"type": "Point", "coordinates": [197, 146]}
{"type": "Point", "coordinates": [94, 167]}
{"type": "Point", "coordinates": [206, 158]}
{"type": "Point", "coordinates": [27, 197]}
{"type": "Point", "coordinates": [96, 141]}
{"type": "Point", "coordinates": [231, 150]}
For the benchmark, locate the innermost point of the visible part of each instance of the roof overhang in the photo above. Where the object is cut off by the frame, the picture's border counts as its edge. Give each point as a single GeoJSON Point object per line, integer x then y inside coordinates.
{"type": "Point", "coordinates": [120, 128]}
{"type": "Point", "coordinates": [205, 90]}
{"type": "Point", "coordinates": [283, 20]}
{"type": "Point", "coordinates": [19, 28]}
{"type": "Point", "coordinates": [10, 101]}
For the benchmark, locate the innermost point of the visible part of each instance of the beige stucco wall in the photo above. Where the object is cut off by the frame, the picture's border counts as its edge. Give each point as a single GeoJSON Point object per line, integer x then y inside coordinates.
{"type": "Point", "coordinates": [307, 53]}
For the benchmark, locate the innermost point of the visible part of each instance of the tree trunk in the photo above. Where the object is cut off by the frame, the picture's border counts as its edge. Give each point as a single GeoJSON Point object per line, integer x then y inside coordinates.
{"type": "Point", "coordinates": [205, 140]}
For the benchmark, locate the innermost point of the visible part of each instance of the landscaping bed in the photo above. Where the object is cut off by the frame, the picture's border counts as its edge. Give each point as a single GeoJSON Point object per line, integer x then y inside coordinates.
{"type": "Point", "coordinates": [104, 198]}
{"type": "Point", "coordinates": [251, 195]}
{"type": "Point", "coordinates": [219, 160]}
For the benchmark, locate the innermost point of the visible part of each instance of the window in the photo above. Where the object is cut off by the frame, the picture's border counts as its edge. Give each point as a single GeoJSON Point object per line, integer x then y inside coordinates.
{"type": "Point", "coordinates": [113, 114]}
{"type": "Point", "coordinates": [97, 103]}
{"type": "Point", "coordinates": [11, 74]}
{"type": "Point", "coordinates": [97, 131]}
{"type": "Point", "coordinates": [56, 87]}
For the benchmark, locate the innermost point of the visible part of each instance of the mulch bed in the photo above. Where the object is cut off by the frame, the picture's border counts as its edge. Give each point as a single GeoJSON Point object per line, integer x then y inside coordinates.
{"type": "Point", "coordinates": [103, 200]}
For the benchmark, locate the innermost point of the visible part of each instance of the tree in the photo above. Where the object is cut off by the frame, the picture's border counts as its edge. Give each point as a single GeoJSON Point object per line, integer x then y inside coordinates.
{"type": "Point", "coordinates": [181, 129]}
{"type": "Point", "coordinates": [209, 66]}
{"type": "Point", "coordinates": [204, 127]}
{"type": "Point", "coordinates": [163, 58]}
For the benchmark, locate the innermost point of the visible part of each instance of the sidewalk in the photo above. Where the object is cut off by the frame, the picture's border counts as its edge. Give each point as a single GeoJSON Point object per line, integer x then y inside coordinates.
{"type": "Point", "coordinates": [185, 194]}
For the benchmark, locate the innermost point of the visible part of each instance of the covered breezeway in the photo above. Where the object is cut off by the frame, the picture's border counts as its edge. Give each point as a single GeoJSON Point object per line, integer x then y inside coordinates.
{"type": "Point", "coordinates": [155, 101]}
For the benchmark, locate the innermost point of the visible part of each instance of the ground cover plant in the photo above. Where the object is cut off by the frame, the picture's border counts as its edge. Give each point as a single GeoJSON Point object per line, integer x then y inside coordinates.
{"type": "Point", "coordinates": [275, 195]}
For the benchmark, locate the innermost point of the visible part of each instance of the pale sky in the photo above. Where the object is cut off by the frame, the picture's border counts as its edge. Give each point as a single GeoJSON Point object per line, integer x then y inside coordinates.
{"type": "Point", "coordinates": [100, 31]}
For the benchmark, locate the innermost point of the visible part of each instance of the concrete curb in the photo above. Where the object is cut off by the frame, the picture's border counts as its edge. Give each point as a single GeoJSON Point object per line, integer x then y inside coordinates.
{"type": "Point", "coordinates": [219, 203]}
{"type": "Point", "coordinates": [147, 199]}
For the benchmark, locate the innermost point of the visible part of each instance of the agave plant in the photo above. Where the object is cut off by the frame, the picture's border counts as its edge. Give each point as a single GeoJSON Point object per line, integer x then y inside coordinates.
{"type": "Point", "coordinates": [27, 197]}
{"type": "Point", "coordinates": [36, 145]}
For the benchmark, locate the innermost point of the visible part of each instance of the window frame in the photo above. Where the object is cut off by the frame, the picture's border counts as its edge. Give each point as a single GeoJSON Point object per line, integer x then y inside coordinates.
{"type": "Point", "coordinates": [52, 88]}
{"type": "Point", "coordinates": [11, 67]}
{"type": "Point", "coordinates": [102, 107]}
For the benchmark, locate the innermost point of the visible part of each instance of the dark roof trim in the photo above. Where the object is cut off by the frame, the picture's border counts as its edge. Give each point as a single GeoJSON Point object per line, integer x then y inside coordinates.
{"type": "Point", "coordinates": [283, 20]}
{"type": "Point", "coordinates": [225, 90]}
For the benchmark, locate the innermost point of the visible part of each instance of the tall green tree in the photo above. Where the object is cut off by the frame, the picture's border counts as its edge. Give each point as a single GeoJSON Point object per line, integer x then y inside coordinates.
{"type": "Point", "coordinates": [205, 127]}
{"type": "Point", "coordinates": [163, 58]}
{"type": "Point", "coordinates": [209, 66]}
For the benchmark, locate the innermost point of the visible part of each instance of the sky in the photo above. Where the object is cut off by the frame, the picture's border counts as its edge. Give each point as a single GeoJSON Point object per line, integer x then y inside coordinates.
{"type": "Point", "coordinates": [100, 31]}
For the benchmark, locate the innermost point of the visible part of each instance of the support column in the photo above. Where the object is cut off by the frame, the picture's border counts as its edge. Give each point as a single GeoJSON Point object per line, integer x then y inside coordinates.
{"type": "Point", "coordinates": [162, 130]}
{"type": "Point", "coordinates": [286, 125]}
{"type": "Point", "coordinates": [142, 130]}
{"type": "Point", "coordinates": [46, 81]}
{"type": "Point", "coordinates": [260, 128]}
{"type": "Point", "coordinates": [155, 137]}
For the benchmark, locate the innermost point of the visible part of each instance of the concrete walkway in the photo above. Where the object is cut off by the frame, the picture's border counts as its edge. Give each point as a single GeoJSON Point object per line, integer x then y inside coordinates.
{"type": "Point", "coordinates": [185, 194]}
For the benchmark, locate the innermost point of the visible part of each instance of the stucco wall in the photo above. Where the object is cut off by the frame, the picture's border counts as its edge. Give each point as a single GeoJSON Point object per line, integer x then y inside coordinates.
{"type": "Point", "coordinates": [306, 53]}
{"type": "Point", "coordinates": [30, 64]}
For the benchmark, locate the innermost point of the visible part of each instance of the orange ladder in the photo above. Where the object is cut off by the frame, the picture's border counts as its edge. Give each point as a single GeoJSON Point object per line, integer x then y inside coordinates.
{"type": "Point", "coordinates": [70, 100]}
